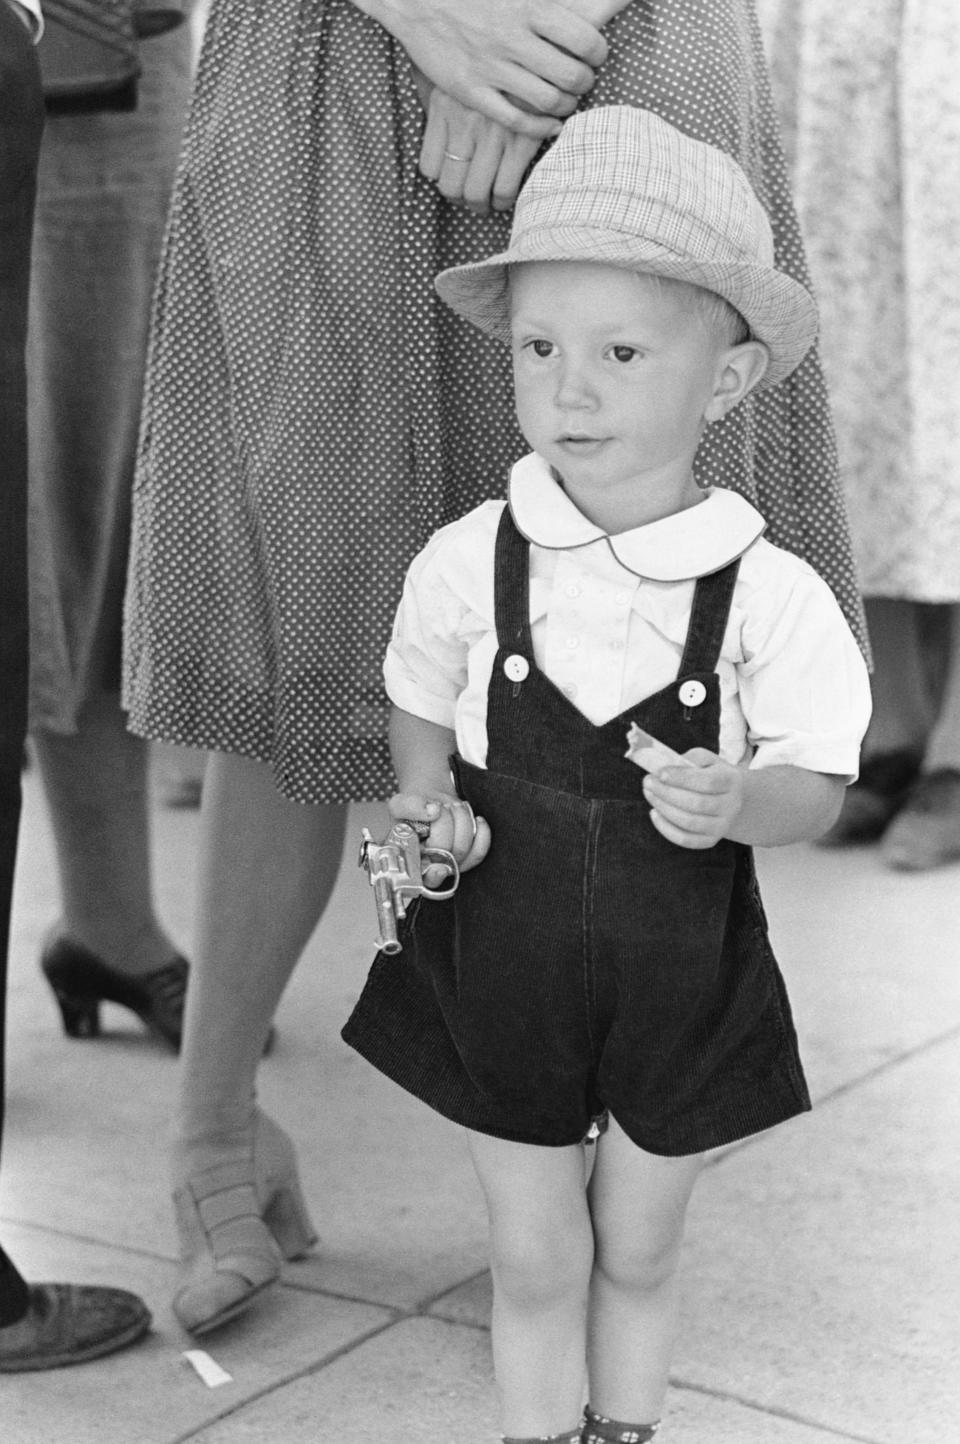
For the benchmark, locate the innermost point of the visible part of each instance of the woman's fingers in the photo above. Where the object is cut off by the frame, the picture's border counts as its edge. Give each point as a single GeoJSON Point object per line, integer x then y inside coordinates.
{"type": "Point", "coordinates": [484, 168]}
{"type": "Point", "coordinates": [578, 35]}
{"type": "Point", "coordinates": [539, 51]}
{"type": "Point", "coordinates": [517, 157]}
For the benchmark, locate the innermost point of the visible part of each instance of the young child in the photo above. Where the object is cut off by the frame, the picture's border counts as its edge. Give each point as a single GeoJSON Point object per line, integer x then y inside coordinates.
{"type": "Point", "coordinates": [603, 971]}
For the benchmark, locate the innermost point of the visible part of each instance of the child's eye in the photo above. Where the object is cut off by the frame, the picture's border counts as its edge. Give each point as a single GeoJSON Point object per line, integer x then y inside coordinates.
{"type": "Point", "coordinates": [624, 353]}
{"type": "Point", "coordinates": [539, 347]}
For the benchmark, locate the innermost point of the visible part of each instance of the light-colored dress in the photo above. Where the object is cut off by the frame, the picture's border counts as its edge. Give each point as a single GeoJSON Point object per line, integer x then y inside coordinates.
{"type": "Point", "coordinates": [314, 413]}
{"type": "Point", "coordinates": [870, 99]}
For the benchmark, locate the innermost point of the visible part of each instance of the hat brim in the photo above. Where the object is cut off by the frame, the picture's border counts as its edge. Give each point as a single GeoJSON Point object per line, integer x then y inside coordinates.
{"type": "Point", "coordinates": [779, 311]}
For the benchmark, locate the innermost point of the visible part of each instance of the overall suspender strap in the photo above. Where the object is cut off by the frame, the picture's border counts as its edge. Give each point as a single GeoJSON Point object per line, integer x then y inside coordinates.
{"type": "Point", "coordinates": [708, 619]}
{"type": "Point", "coordinates": [709, 613]}
{"type": "Point", "coordinates": [511, 588]}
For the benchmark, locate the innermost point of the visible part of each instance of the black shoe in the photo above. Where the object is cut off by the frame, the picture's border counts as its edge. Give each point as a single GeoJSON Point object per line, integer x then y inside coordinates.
{"type": "Point", "coordinates": [875, 798]}
{"type": "Point", "coordinates": [81, 982]}
{"type": "Point", "coordinates": [69, 1324]}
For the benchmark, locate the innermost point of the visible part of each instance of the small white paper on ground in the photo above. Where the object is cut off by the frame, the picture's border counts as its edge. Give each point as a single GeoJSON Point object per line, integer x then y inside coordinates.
{"type": "Point", "coordinates": [208, 1369]}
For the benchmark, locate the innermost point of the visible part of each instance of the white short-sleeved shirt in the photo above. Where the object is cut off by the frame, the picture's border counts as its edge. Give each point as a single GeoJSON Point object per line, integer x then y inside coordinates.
{"type": "Point", "coordinates": [30, 10]}
{"type": "Point", "coordinates": [609, 619]}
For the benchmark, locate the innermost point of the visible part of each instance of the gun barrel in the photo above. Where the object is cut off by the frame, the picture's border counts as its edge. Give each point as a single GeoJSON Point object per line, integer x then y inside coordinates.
{"type": "Point", "coordinates": [383, 894]}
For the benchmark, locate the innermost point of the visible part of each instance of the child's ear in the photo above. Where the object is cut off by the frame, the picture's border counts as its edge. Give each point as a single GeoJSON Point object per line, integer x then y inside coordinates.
{"type": "Point", "coordinates": [738, 370]}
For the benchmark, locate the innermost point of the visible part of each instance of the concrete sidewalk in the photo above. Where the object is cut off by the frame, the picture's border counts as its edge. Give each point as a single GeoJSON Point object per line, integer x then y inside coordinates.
{"type": "Point", "coordinates": [822, 1266]}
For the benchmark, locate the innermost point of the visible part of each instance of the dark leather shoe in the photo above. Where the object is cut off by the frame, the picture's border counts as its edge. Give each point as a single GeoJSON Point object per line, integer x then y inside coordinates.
{"type": "Point", "coordinates": [926, 831]}
{"type": "Point", "coordinates": [875, 798]}
{"type": "Point", "coordinates": [81, 982]}
{"type": "Point", "coordinates": [69, 1324]}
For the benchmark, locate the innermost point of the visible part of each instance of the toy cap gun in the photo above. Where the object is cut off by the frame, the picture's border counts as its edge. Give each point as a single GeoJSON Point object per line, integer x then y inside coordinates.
{"type": "Point", "coordinates": [395, 868]}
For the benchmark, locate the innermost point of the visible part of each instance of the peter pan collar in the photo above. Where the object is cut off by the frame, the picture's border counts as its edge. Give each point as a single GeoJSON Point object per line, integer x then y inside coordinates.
{"type": "Point", "coordinates": [692, 543]}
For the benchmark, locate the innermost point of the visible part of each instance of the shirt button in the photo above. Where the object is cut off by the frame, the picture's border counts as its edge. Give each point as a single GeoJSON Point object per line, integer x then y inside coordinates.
{"type": "Point", "coordinates": [573, 642]}
{"type": "Point", "coordinates": [691, 694]}
{"type": "Point", "coordinates": [572, 589]}
{"type": "Point", "coordinates": [570, 690]}
{"type": "Point", "coordinates": [622, 599]}
{"type": "Point", "coordinates": [516, 668]}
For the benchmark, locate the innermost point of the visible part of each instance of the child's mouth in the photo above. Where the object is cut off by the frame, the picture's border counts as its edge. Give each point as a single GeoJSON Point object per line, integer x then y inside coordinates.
{"type": "Point", "coordinates": [581, 445]}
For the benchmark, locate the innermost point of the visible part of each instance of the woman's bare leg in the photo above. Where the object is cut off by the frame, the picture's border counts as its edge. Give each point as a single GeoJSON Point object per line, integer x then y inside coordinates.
{"type": "Point", "coordinates": [943, 746]}
{"type": "Point", "coordinates": [267, 867]}
{"type": "Point", "coordinates": [96, 785]}
{"type": "Point", "coordinates": [902, 706]}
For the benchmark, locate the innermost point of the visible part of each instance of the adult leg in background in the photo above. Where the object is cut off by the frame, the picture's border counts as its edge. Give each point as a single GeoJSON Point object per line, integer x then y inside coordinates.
{"type": "Point", "coordinates": [266, 870]}
{"type": "Point", "coordinates": [96, 781]}
{"type": "Point", "coordinates": [42, 1325]}
{"type": "Point", "coordinates": [902, 717]}
{"type": "Point", "coordinates": [103, 190]}
{"type": "Point", "coordinates": [926, 831]}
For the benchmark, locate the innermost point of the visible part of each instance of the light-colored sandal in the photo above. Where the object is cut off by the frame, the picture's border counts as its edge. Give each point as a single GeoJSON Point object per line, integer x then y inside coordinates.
{"type": "Point", "coordinates": [237, 1220]}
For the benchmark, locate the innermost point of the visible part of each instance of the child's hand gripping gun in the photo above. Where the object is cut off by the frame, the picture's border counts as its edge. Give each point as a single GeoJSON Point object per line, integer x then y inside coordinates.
{"type": "Point", "coordinates": [395, 868]}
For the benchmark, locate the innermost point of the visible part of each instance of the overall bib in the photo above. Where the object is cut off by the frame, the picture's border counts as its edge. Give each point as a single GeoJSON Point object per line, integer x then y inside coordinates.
{"type": "Point", "coordinates": [588, 965]}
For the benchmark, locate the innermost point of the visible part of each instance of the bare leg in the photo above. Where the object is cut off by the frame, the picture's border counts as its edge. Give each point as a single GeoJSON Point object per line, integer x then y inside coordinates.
{"type": "Point", "coordinates": [943, 747]}
{"type": "Point", "coordinates": [177, 774]}
{"type": "Point", "coordinates": [96, 784]}
{"type": "Point", "coordinates": [541, 1255]}
{"type": "Point", "coordinates": [638, 1203]}
{"type": "Point", "coordinates": [266, 869]}
{"type": "Point", "coordinates": [902, 708]}
{"type": "Point", "coordinates": [926, 831]}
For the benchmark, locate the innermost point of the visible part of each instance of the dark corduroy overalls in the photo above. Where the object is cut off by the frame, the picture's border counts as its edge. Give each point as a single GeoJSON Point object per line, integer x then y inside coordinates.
{"type": "Point", "coordinates": [588, 964]}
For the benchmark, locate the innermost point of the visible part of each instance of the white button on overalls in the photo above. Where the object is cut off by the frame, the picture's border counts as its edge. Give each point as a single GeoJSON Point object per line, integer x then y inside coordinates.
{"type": "Point", "coordinates": [516, 668]}
{"type": "Point", "coordinates": [691, 694]}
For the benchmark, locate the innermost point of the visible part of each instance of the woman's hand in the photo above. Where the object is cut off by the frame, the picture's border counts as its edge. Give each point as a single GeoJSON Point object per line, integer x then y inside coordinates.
{"type": "Point", "coordinates": [474, 161]}
{"type": "Point", "coordinates": [496, 56]}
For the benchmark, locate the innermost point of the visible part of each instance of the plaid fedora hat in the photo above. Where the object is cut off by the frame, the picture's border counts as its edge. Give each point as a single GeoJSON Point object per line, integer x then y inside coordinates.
{"type": "Point", "coordinates": [622, 187]}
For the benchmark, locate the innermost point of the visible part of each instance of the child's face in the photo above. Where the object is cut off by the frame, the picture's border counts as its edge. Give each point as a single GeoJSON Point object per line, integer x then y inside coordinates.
{"type": "Point", "coordinates": [615, 374]}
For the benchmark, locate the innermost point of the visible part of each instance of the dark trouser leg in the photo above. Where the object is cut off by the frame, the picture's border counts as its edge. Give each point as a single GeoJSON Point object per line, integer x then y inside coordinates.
{"type": "Point", "coordinates": [21, 120]}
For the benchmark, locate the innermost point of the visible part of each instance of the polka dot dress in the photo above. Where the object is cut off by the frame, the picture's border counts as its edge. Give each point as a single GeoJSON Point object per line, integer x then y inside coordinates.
{"type": "Point", "coordinates": [313, 413]}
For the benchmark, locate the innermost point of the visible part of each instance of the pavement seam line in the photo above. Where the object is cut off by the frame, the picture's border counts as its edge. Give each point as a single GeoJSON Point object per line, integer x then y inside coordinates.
{"type": "Point", "coordinates": [333, 1357]}
{"type": "Point", "coordinates": [843, 1089]}
{"type": "Point", "coordinates": [773, 1411]}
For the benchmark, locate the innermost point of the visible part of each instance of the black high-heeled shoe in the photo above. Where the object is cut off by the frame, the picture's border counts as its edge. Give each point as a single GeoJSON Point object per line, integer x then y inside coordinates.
{"type": "Point", "coordinates": [81, 982]}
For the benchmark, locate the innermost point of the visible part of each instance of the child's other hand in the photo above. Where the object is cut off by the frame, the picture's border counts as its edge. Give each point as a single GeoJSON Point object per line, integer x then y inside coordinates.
{"type": "Point", "coordinates": [453, 827]}
{"type": "Point", "coordinates": [694, 806]}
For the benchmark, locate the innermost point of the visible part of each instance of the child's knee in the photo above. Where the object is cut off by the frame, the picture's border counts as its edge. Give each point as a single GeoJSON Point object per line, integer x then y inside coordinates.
{"type": "Point", "coordinates": [539, 1269]}
{"type": "Point", "coordinates": [642, 1264]}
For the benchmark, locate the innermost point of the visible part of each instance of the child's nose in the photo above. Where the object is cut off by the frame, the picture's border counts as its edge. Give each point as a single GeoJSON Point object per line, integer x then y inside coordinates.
{"type": "Point", "coordinates": [574, 388]}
